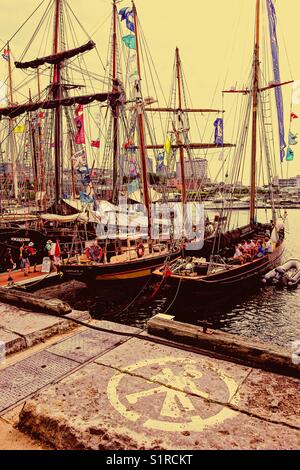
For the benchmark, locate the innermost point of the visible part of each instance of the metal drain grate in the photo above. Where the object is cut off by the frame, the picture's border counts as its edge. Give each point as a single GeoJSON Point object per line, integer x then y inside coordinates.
{"type": "Point", "coordinates": [86, 345]}
{"type": "Point", "coordinates": [28, 376]}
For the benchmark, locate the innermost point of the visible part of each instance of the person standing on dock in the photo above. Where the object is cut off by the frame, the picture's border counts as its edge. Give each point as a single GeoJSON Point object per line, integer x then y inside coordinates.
{"type": "Point", "coordinates": [9, 265]}
{"type": "Point", "coordinates": [32, 255]}
{"type": "Point", "coordinates": [24, 264]}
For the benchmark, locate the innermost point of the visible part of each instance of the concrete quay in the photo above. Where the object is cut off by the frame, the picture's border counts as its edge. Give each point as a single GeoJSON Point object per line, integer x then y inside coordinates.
{"type": "Point", "coordinates": [102, 390]}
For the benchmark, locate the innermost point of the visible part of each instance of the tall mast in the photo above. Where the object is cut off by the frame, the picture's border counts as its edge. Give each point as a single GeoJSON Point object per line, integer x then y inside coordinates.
{"type": "Point", "coordinates": [115, 109]}
{"type": "Point", "coordinates": [34, 149]}
{"type": "Point", "coordinates": [11, 139]}
{"type": "Point", "coordinates": [255, 92]}
{"type": "Point", "coordinates": [178, 136]}
{"type": "Point", "coordinates": [56, 91]}
{"type": "Point", "coordinates": [141, 127]}
{"type": "Point", "coordinates": [40, 133]}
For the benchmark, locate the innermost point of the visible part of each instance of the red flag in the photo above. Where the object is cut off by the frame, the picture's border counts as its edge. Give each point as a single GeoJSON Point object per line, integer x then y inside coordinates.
{"type": "Point", "coordinates": [294, 116]}
{"type": "Point", "coordinates": [95, 143]}
{"type": "Point", "coordinates": [79, 124]}
{"type": "Point", "coordinates": [57, 251]}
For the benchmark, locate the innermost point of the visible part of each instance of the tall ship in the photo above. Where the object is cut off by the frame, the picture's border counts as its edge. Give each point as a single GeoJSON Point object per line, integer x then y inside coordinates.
{"type": "Point", "coordinates": [232, 258]}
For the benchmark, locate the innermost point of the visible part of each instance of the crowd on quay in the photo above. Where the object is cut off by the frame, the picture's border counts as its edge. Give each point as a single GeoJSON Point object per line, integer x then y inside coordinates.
{"type": "Point", "coordinates": [27, 259]}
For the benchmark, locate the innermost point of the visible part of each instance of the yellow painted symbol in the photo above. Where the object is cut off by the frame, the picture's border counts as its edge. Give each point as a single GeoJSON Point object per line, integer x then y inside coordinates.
{"type": "Point", "coordinates": [169, 399]}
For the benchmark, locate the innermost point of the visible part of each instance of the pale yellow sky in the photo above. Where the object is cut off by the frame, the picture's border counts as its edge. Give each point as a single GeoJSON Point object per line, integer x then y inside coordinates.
{"type": "Point", "coordinates": [215, 39]}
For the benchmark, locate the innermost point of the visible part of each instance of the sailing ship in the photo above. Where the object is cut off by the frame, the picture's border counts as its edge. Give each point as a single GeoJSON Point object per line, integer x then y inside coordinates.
{"type": "Point", "coordinates": [215, 269]}
{"type": "Point", "coordinates": [53, 135]}
{"type": "Point", "coordinates": [139, 255]}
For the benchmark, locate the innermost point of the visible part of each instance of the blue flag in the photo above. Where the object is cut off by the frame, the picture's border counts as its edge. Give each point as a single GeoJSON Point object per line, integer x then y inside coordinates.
{"type": "Point", "coordinates": [275, 58]}
{"type": "Point", "coordinates": [219, 128]}
{"type": "Point", "coordinates": [85, 198]}
{"type": "Point", "coordinates": [127, 14]}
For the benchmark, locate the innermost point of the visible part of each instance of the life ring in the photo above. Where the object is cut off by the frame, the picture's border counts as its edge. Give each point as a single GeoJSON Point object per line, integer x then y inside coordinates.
{"type": "Point", "coordinates": [140, 250]}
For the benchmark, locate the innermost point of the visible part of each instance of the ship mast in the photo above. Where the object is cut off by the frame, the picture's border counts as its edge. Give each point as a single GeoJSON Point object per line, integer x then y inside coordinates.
{"type": "Point", "coordinates": [255, 92]}
{"type": "Point", "coordinates": [115, 108]}
{"type": "Point", "coordinates": [56, 92]}
{"type": "Point", "coordinates": [141, 127]}
{"type": "Point", "coordinates": [178, 137]}
{"type": "Point", "coordinates": [11, 140]}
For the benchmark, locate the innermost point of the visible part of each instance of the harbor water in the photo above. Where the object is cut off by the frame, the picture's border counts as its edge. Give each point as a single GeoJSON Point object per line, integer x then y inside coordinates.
{"type": "Point", "coordinates": [267, 314]}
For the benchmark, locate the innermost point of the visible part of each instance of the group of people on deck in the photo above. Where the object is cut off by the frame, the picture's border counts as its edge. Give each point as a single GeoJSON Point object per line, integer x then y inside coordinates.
{"type": "Point", "coordinates": [249, 249]}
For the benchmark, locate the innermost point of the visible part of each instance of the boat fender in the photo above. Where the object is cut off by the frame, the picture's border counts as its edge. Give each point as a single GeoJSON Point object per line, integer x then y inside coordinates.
{"type": "Point", "coordinates": [280, 270]}
{"type": "Point", "coordinates": [140, 250]}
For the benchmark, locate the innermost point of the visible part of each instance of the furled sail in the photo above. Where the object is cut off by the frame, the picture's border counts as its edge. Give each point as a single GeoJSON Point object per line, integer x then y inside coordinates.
{"type": "Point", "coordinates": [17, 110]}
{"type": "Point", "coordinates": [56, 58]}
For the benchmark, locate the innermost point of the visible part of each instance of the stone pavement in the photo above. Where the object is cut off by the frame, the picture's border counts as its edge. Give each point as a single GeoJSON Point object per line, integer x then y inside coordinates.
{"type": "Point", "coordinates": [97, 390]}
{"type": "Point", "coordinates": [21, 329]}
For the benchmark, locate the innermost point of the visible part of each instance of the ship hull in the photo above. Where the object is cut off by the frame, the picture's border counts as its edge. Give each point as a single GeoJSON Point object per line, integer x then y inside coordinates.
{"type": "Point", "coordinates": [215, 286]}
{"type": "Point", "coordinates": [113, 272]}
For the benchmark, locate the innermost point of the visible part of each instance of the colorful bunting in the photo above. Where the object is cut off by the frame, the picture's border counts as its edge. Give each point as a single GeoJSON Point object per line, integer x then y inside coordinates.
{"type": "Point", "coordinates": [289, 155]}
{"type": "Point", "coordinates": [127, 15]}
{"type": "Point", "coordinates": [79, 124]}
{"type": "Point", "coordinates": [293, 139]}
{"type": "Point", "coordinates": [85, 198]}
{"type": "Point", "coordinates": [129, 41]}
{"type": "Point", "coordinates": [219, 128]}
{"type": "Point", "coordinates": [19, 129]}
{"type": "Point", "coordinates": [294, 116]}
{"type": "Point", "coordinates": [5, 54]}
{"type": "Point", "coordinates": [95, 143]}
{"type": "Point", "coordinates": [167, 146]}
{"type": "Point", "coordinates": [133, 186]}
{"type": "Point", "coordinates": [276, 71]}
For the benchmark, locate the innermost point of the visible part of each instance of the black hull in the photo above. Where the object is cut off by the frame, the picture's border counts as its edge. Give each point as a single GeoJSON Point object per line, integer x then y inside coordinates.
{"type": "Point", "coordinates": [214, 287]}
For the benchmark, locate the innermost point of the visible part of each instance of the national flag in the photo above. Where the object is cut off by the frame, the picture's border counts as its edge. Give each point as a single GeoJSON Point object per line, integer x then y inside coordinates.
{"type": "Point", "coordinates": [129, 41]}
{"type": "Point", "coordinates": [293, 139]}
{"type": "Point", "coordinates": [294, 116]}
{"type": "Point", "coordinates": [5, 54]}
{"type": "Point", "coordinates": [79, 124]}
{"type": "Point", "coordinates": [95, 143]}
{"type": "Point", "coordinates": [289, 155]}
{"type": "Point", "coordinates": [19, 129]}
{"type": "Point", "coordinates": [167, 146]}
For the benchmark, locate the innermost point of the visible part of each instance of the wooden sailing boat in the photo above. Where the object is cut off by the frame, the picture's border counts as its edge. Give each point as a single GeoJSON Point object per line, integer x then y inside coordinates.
{"type": "Point", "coordinates": [215, 270]}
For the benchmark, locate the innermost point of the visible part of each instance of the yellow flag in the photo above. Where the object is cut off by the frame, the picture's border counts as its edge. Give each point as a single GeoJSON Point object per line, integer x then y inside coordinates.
{"type": "Point", "coordinates": [19, 129]}
{"type": "Point", "coordinates": [167, 146]}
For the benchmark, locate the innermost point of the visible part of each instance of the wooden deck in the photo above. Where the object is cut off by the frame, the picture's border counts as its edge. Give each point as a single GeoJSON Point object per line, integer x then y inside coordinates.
{"type": "Point", "coordinates": [19, 279]}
